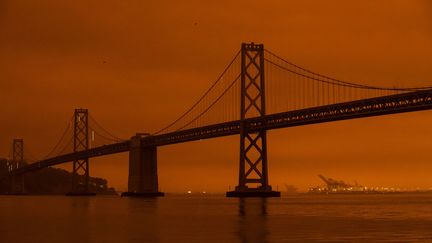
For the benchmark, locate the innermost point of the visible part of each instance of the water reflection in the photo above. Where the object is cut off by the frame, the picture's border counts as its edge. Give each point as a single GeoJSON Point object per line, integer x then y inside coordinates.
{"type": "Point", "coordinates": [80, 210]}
{"type": "Point", "coordinates": [385, 218]}
{"type": "Point", "coordinates": [80, 204]}
{"type": "Point", "coordinates": [143, 218]}
{"type": "Point", "coordinates": [252, 222]}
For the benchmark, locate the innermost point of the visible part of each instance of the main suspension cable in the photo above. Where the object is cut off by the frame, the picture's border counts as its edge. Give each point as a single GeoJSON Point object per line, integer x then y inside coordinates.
{"type": "Point", "coordinates": [201, 98]}
{"type": "Point", "coordinates": [347, 84]}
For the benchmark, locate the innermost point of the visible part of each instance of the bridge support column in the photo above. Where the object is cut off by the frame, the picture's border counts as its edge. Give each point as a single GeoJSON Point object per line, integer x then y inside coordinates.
{"type": "Point", "coordinates": [253, 144]}
{"type": "Point", "coordinates": [143, 178]}
{"type": "Point", "coordinates": [80, 171]}
{"type": "Point", "coordinates": [17, 181]}
{"type": "Point", "coordinates": [17, 185]}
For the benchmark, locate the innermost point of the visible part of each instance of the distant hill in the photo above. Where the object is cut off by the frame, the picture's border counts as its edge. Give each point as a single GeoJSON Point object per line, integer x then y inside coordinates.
{"type": "Point", "coordinates": [51, 181]}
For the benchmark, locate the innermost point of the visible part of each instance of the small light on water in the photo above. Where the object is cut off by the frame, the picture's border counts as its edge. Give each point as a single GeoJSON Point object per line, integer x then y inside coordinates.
{"type": "Point", "coordinates": [204, 192]}
{"type": "Point", "coordinates": [189, 192]}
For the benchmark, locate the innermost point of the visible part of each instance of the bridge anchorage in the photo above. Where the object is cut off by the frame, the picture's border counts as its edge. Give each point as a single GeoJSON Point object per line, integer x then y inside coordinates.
{"type": "Point", "coordinates": [80, 169]}
{"type": "Point", "coordinates": [253, 144]}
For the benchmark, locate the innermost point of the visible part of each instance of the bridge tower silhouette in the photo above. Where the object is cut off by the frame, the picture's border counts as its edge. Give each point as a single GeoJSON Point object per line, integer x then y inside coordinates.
{"type": "Point", "coordinates": [253, 143]}
{"type": "Point", "coordinates": [80, 170]}
{"type": "Point", "coordinates": [17, 161]}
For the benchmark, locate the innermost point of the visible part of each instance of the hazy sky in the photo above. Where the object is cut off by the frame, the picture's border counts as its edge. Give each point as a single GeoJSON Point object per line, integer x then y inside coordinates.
{"type": "Point", "coordinates": [136, 65]}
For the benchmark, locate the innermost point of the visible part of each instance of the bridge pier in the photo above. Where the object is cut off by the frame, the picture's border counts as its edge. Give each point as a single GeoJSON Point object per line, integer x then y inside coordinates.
{"type": "Point", "coordinates": [143, 178]}
{"type": "Point", "coordinates": [17, 185]}
{"type": "Point", "coordinates": [253, 144]}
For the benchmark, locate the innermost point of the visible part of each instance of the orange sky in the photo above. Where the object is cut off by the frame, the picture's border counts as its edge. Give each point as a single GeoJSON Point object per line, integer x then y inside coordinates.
{"type": "Point", "coordinates": [160, 56]}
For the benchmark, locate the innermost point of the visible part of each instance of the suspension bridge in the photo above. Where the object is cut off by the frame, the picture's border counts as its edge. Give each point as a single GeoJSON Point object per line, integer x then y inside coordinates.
{"type": "Point", "coordinates": [257, 91]}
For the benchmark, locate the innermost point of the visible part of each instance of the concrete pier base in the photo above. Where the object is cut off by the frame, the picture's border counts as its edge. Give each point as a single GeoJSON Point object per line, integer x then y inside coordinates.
{"type": "Point", "coordinates": [254, 193]}
{"type": "Point", "coordinates": [243, 191]}
{"type": "Point", "coordinates": [143, 178]}
{"type": "Point", "coordinates": [80, 194]}
{"type": "Point", "coordinates": [16, 185]}
{"type": "Point", "coordinates": [142, 194]}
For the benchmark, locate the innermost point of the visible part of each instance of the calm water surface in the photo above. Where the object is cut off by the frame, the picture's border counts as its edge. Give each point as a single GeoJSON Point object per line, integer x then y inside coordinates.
{"type": "Point", "coordinates": [214, 218]}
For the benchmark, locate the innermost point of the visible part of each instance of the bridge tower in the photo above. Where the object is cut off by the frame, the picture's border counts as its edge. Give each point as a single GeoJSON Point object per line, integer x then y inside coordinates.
{"type": "Point", "coordinates": [143, 178]}
{"type": "Point", "coordinates": [253, 143]}
{"type": "Point", "coordinates": [17, 181]}
{"type": "Point", "coordinates": [80, 171]}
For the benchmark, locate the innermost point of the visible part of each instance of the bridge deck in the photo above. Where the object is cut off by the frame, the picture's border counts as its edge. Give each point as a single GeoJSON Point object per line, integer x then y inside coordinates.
{"type": "Point", "coordinates": [407, 102]}
{"type": "Point", "coordinates": [400, 103]}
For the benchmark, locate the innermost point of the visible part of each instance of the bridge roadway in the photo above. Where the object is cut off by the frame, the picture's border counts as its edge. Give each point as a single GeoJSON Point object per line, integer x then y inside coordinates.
{"type": "Point", "coordinates": [384, 105]}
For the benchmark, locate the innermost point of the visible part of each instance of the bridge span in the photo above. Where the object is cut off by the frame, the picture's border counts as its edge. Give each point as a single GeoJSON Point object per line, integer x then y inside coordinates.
{"type": "Point", "coordinates": [401, 103]}
{"type": "Point", "coordinates": [251, 124]}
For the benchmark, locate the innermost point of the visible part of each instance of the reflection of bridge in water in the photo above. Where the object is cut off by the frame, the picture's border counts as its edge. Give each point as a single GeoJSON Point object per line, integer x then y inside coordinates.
{"type": "Point", "coordinates": [258, 91]}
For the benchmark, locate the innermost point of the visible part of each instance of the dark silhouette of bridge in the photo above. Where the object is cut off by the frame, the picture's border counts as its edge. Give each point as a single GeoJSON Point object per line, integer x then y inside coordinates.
{"type": "Point", "coordinates": [258, 91]}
